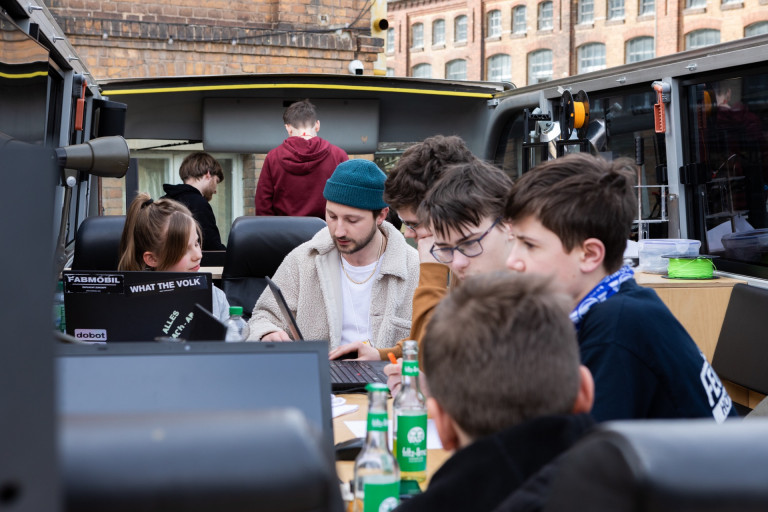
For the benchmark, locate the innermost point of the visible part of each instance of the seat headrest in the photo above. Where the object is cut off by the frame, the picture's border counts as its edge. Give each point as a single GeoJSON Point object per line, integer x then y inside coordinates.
{"type": "Point", "coordinates": [97, 243]}
{"type": "Point", "coordinates": [675, 465]}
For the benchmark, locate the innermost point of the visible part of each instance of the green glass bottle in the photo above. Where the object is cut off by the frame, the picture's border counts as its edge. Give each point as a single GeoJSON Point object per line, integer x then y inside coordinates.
{"type": "Point", "coordinates": [410, 425]}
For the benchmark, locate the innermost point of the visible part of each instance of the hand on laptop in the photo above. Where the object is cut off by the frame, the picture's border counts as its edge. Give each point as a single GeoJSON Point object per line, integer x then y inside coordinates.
{"type": "Point", "coordinates": [365, 352]}
{"type": "Point", "coordinates": [276, 336]}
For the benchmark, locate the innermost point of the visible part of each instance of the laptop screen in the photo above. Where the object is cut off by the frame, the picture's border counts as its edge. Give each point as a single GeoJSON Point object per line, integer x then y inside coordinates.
{"type": "Point", "coordinates": [139, 377]}
{"type": "Point", "coordinates": [133, 306]}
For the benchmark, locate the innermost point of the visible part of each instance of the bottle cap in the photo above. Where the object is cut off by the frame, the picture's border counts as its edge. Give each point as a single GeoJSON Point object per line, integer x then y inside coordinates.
{"type": "Point", "coordinates": [376, 386]}
{"type": "Point", "coordinates": [236, 310]}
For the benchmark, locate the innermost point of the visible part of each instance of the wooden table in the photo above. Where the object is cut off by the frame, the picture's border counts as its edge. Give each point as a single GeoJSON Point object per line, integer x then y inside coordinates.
{"type": "Point", "coordinates": [346, 469]}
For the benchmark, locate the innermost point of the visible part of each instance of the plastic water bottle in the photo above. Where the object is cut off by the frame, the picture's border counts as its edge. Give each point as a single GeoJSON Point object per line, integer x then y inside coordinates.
{"type": "Point", "coordinates": [237, 327]}
{"type": "Point", "coordinates": [410, 425]}
{"type": "Point", "coordinates": [377, 478]}
{"type": "Point", "coordinates": [59, 322]}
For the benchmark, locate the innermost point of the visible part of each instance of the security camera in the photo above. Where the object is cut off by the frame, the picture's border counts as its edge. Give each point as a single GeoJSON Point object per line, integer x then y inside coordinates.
{"type": "Point", "coordinates": [356, 67]}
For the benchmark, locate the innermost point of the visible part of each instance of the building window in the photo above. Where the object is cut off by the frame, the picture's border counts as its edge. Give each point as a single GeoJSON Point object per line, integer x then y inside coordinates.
{"type": "Point", "coordinates": [640, 48]}
{"type": "Point", "coordinates": [500, 68]}
{"type": "Point", "coordinates": [438, 32]}
{"type": "Point", "coordinates": [700, 38]}
{"type": "Point", "coordinates": [518, 20]}
{"type": "Point", "coordinates": [545, 15]}
{"type": "Point", "coordinates": [539, 66]}
{"type": "Point", "coordinates": [735, 2]}
{"type": "Point", "coordinates": [390, 71]}
{"type": "Point", "coordinates": [417, 35]}
{"type": "Point", "coordinates": [390, 40]}
{"type": "Point", "coordinates": [591, 57]}
{"type": "Point", "coordinates": [755, 29]}
{"type": "Point", "coordinates": [695, 4]}
{"type": "Point", "coordinates": [586, 11]}
{"type": "Point", "coordinates": [615, 9]}
{"type": "Point", "coordinates": [456, 70]}
{"type": "Point", "coordinates": [494, 23]}
{"type": "Point", "coordinates": [647, 7]}
{"type": "Point", "coordinates": [460, 29]}
{"type": "Point", "coordinates": [422, 71]}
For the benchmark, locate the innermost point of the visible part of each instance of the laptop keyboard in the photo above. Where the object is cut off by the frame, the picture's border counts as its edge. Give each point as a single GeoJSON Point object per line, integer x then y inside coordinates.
{"type": "Point", "coordinates": [353, 371]}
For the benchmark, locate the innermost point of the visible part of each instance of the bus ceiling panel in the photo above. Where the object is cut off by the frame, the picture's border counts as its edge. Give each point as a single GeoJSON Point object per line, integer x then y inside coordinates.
{"type": "Point", "coordinates": [164, 116]}
{"type": "Point", "coordinates": [255, 125]}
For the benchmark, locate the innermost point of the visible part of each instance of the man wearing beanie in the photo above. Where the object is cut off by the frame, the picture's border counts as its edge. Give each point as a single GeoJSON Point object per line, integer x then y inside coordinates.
{"type": "Point", "coordinates": [354, 280]}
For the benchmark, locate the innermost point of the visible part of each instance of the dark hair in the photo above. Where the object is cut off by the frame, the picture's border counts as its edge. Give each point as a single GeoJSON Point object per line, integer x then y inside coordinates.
{"type": "Point", "coordinates": [300, 114]}
{"type": "Point", "coordinates": [161, 227]}
{"type": "Point", "coordinates": [499, 350]}
{"type": "Point", "coordinates": [419, 167]}
{"type": "Point", "coordinates": [196, 165]}
{"type": "Point", "coordinates": [580, 196]}
{"type": "Point", "coordinates": [466, 194]}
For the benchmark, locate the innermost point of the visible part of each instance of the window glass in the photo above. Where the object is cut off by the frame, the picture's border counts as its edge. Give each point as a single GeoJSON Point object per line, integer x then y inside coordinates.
{"type": "Point", "coordinates": [422, 71]}
{"type": "Point", "coordinates": [438, 32]}
{"type": "Point", "coordinates": [586, 11]}
{"type": "Point", "coordinates": [689, 4]}
{"type": "Point", "coordinates": [615, 9]}
{"type": "Point", "coordinates": [390, 71]}
{"type": "Point", "coordinates": [756, 29]}
{"type": "Point", "coordinates": [500, 68]}
{"type": "Point", "coordinates": [545, 15]}
{"type": "Point", "coordinates": [591, 57]}
{"type": "Point", "coordinates": [647, 7]}
{"type": "Point", "coordinates": [456, 70]}
{"type": "Point", "coordinates": [390, 40]}
{"type": "Point", "coordinates": [417, 35]}
{"type": "Point", "coordinates": [700, 38]}
{"type": "Point", "coordinates": [639, 49]}
{"type": "Point", "coordinates": [460, 29]}
{"type": "Point", "coordinates": [494, 23]}
{"type": "Point", "coordinates": [539, 66]}
{"type": "Point", "coordinates": [518, 20]}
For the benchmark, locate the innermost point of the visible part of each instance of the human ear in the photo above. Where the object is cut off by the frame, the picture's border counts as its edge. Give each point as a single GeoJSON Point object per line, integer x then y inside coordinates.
{"type": "Point", "coordinates": [317, 126]}
{"type": "Point", "coordinates": [586, 395]}
{"type": "Point", "coordinates": [382, 216]}
{"type": "Point", "coordinates": [289, 129]}
{"type": "Point", "coordinates": [150, 260]}
{"type": "Point", "coordinates": [592, 254]}
{"type": "Point", "coordinates": [445, 426]}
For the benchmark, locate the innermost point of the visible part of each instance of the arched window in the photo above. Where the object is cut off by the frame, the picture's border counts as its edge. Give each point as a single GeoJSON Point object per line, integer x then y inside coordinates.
{"type": "Point", "coordinates": [519, 23]}
{"type": "Point", "coordinates": [456, 70]}
{"type": "Point", "coordinates": [591, 57]}
{"type": "Point", "coordinates": [755, 29]}
{"type": "Point", "coordinates": [646, 7]}
{"type": "Point", "coordinates": [539, 66]}
{"type": "Point", "coordinates": [417, 35]}
{"type": "Point", "coordinates": [545, 16]}
{"type": "Point", "coordinates": [438, 32]}
{"type": "Point", "coordinates": [422, 71]}
{"type": "Point", "coordinates": [500, 68]}
{"type": "Point", "coordinates": [615, 9]}
{"type": "Point", "coordinates": [494, 23]}
{"type": "Point", "coordinates": [586, 11]}
{"type": "Point", "coordinates": [640, 48]}
{"type": "Point", "coordinates": [700, 38]}
{"type": "Point", "coordinates": [460, 29]}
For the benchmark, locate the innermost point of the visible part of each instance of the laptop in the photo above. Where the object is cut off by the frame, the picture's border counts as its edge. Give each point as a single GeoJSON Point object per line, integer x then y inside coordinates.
{"type": "Point", "coordinates": [133, 306]}
{"type": "Point", "coordinates": [206, 327]}
{"type": "Point", "coordinates": [346, 375]}
{"type": "Point", "coordinates": [150, 377]}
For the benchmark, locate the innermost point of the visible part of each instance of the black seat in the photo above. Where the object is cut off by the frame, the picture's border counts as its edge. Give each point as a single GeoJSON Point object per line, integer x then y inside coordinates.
{"type": "Point", "coordinates": [659, 466]}
{"type": "Point", "coordinates": [97, 243]}
{"type": "Point", "coordinates": [255, 249]}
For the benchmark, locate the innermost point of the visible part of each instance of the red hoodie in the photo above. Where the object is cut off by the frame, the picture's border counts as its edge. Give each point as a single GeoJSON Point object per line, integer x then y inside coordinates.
{"type": "Point", "coordinates": [293, 177]}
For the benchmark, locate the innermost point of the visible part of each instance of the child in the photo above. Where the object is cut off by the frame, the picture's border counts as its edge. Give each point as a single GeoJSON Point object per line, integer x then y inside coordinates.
{"type": "Point", "coordinates": [163, 235]}
{"type": "Point", "coordinates": [571, 218]}
{"type": "Point", "coordinates": [507, 390]}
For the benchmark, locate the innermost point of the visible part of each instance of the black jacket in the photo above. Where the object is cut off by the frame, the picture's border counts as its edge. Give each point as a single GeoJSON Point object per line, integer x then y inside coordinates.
{"type": "Point", "coordinates": [482, 475]}
{"type": "Point", "coordinates": [190, 197]}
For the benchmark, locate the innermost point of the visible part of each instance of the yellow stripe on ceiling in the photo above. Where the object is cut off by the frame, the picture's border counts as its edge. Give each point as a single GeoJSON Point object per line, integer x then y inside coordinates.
{"type": "Point", "coordinates": [23, 75]}
{"type": "Point", "coordinates": [156, 90]}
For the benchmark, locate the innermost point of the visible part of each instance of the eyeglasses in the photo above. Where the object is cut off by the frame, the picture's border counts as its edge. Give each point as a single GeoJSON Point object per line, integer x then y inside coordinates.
{"type": "Point", "coordinates": [469, 248]}
{"type": "Point", "coordinates": [408, 225]}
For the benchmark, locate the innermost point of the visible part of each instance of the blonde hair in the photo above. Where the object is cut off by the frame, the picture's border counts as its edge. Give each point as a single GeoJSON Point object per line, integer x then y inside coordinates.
{"type": "Point", "coordinates": [161, 227]}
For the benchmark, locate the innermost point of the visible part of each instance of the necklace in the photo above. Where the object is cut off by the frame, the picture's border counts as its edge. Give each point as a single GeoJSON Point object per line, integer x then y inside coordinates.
{"type": "Point", "coordinates": [375, 268]}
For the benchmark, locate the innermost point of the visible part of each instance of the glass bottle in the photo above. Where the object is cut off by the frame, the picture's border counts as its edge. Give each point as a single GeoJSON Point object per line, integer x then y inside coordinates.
{"type": "Point", "coordinates": [410, 425]}
{"type": "Point", "coordinates": [377, 478]}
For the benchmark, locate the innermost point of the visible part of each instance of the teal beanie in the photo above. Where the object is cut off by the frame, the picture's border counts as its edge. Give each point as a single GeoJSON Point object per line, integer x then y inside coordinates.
{"type": "Point", "coordinates": [357, 183]}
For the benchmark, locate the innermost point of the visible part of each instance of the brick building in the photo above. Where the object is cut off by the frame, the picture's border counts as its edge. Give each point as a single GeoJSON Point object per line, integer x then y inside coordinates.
{"type": "Point", "coordinates": [528, 41]}
{"type": "Point", "coordinates": [137, 39]}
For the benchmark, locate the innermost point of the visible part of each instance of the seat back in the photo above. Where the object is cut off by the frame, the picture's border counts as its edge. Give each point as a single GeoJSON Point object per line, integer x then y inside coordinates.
{"type": "Point", "coordinates": [97, 243]}
{"type": "Point", "coordinates": [741, 354]}
{"type": "Point", "coordinates": [255, 249]}
{"type": "Point", "coordinates": [659, 466]}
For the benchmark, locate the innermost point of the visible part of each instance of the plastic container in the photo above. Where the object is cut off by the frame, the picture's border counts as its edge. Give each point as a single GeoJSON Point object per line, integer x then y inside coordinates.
{"type": "Point", "coordinates": [237, 327]}
{"type": "Point", "coordinates": [747, 245]}
{"type": "Point", "coordinates": [650, 252]}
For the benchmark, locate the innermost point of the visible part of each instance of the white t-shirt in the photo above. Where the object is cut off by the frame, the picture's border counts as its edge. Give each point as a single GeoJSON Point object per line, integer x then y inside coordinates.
{"type": "Point", "coordinates": [356, 300]}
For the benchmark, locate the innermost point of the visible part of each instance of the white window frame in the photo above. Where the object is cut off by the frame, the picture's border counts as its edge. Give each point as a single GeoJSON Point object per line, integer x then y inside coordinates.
{"type": "Point", "coordinates": [438, 32]}
{"type": "Point", "coordinates": [390, 48]}
{"type": "Point", "coordinates": [417, 70]}
{"type": "Point", "coordinates": [646, 7]}
{"type": "Point", "coordinates": [755, 29]}
{"type": "Point", "coordinates": [591, 57]}
{"type": "Point", "coordinates": [616, 9]}
{"type": "Point", "coordinates": [545, 11]}
{"type": "Point", "coordinates": [417, 29]}
{"type": "Point", "coordinates": [494, 23]}
{"type": "Point", "coordinates": [519, 22]}
{"type": "Point", "coordinates": [701, 38]}
{"type": "Point", "coordinates": [586, 11]}
{"type": "Point", "coordinates": [460, 29]}
{"type": "Point", "coordinates": [454, 67]}
{"type": "Point", "coordinates": [500, 68]}
{"type": "Point", "coordinates": [637, 49]}
{"type": "Point", "coordinates": [540, 66]}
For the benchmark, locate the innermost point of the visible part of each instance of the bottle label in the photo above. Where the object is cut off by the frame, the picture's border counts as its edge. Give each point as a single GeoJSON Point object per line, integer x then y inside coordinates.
{"type": "Point", "coordinates": [381, 497]}
{"type": "Point", "coordinates": [410, 368]}
{"type": "Point", "coordinates": [411, 446]}
{"type": "Point", "coordinates": [377, 421]}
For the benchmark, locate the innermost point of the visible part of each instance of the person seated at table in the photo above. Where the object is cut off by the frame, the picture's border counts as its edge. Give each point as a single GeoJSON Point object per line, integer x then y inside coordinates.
{"type": "Point", "coordinates": [570, 219]}
{"type": "Point", "coordinates": [507, 391]}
